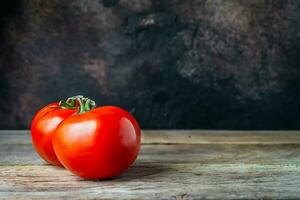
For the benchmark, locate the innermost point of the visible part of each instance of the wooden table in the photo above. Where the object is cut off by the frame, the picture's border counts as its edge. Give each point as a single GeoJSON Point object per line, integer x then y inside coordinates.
{"type": "Point", "coordinates": [171, 165]}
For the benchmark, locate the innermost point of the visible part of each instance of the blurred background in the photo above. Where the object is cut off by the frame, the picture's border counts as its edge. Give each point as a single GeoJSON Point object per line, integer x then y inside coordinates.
{"type": "Point", "coordinates": [180, 64]}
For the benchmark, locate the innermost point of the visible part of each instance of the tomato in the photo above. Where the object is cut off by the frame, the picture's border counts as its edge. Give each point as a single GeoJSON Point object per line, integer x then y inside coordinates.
{"type": "Point", "coordinates": [43, 126]}
{"type": "Point", "coordinates": [94, 143]}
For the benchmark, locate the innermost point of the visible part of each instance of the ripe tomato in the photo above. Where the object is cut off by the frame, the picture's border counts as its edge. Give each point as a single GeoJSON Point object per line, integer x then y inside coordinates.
{"type": "Point", "coordinates": [43, 126]}
{"type": "Point", "coordinates": [96, 143]}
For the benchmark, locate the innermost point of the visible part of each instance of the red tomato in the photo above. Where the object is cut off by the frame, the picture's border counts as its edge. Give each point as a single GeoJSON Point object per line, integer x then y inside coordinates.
{"type": "Point", "coordinates": [43, 126]}
{"type": "Point", "coordinates": [96, 143]}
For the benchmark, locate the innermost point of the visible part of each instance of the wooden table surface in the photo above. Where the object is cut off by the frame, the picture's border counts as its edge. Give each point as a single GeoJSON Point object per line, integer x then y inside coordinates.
{"type": "Point", "coordinates": [171, 165]}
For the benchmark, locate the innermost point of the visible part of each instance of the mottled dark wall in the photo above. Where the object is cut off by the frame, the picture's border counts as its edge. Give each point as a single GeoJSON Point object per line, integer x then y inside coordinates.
{"type": "Point", "coordinates": [207, 64]}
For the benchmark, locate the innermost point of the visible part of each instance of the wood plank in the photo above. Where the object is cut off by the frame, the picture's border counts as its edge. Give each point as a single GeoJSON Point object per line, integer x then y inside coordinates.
{"type": "Point", "coordinates": [179, 153]}
{"type": "Point", "coordinates": [187, 137]}
{"type": "Point", "coordinates": [211, 167]}
{"type": "Point", "coordinates": [15, 137]}
{"type": "Point", "coordinates": [160, 181]}
{"type": "Point", "coordinates": [220, 137]}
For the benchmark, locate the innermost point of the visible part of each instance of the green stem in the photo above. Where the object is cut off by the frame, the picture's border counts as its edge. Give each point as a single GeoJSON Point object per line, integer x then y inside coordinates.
{"type": "Point", "coordinates": [83, 104]}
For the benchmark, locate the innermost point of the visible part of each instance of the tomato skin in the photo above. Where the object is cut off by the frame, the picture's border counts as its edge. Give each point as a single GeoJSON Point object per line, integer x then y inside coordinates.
{"type": "Point", "coordinates": [98, 144]}
{"type": "Point", "coordinates": [43, 126]}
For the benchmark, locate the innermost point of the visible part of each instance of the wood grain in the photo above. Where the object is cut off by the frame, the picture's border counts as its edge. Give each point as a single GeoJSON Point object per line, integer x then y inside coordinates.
{"type": "Point", "coordinates": [187, 137]}
{"type": "Point", "coordinates": [220, 137]}
{"type": "Point", "coordinates": [168, 168]}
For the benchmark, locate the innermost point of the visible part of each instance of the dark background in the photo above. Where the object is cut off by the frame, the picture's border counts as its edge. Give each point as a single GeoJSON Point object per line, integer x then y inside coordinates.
{"type": "Point", "coordinates": [207, 64]}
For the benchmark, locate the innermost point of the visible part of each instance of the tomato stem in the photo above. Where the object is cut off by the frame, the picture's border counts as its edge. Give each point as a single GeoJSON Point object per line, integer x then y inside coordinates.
{"type": "Point", "coordinates": [83, 104]}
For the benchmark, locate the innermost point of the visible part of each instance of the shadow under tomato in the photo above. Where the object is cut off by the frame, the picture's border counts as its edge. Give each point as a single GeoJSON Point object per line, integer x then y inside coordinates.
{"type": "Point", "coordinates": [137, 171]}
{"type": "Point", "coordinates": [141, 171]}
